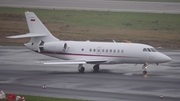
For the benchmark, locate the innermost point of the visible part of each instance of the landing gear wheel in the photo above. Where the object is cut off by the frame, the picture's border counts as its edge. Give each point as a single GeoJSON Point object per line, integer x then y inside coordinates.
{"type": "Point", "coordinates": [144, 72]}
{"type": "Point", "coordinates": [96, 68]}
{"type": "Point", "coordinates": [81, 69]}
{"type": "Point", "coordinates": [145, 67]}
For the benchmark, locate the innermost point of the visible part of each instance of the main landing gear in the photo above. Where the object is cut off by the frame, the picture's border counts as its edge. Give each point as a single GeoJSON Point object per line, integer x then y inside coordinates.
{"type": "Point", "coordinates": [81, 69]}
{"type": "Point", "coordinates": [145, 67]}
{"type": "Point", "coordinates": [96, 68]}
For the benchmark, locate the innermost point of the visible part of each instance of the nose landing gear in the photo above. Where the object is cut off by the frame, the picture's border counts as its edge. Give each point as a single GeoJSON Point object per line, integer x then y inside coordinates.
{"type": "Point", "coordinates": [145, 67]}
{"type": "Point", "coordinates": [145, 72]}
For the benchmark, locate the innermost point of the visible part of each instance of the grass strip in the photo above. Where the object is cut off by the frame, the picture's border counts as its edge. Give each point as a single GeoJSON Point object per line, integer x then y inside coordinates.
{"type": "Point", "coordinates": [121, 20]}
{"type": "Point", "coordinates": [158, 30]}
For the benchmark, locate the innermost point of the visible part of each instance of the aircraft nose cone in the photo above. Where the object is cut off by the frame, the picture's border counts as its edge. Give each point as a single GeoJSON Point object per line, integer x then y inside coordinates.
{"type": "Point", "coordinates": [162, 58]}
{"type": "Point", "coordinates": [166, 58]}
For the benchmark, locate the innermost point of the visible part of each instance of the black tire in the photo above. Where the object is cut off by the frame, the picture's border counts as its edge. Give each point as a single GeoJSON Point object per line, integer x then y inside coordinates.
{"type": "Point", "coordinates": [144, 72]}
{"type": "Point", "coordinates": [96, 68]}
{"type": "Point", "coordinates": [81, 70]}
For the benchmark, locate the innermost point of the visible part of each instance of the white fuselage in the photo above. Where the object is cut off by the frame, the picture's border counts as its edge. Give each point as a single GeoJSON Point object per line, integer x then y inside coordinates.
{"type": "Point", "coordinates": [114, 53]}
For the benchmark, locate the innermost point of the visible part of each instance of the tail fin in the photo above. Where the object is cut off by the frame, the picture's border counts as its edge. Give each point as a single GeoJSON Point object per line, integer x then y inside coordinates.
{"type": "Point", "coordinates": [38, 32]}
{"type": "Point", "coordinates": [36, 26]}
{"type": "Point", "coordinates": [36, 29]}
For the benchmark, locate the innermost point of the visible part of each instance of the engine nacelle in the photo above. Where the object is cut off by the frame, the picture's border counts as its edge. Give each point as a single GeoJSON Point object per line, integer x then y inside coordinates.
{"type": "Point", "coordinates": [60, 46]}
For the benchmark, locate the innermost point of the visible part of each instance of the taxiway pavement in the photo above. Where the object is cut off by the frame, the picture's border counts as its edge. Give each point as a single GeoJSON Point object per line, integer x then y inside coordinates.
{"type": "Point", "coordinates": [99, 5]}
{"type": "Point", "coordinates": [21, 73]}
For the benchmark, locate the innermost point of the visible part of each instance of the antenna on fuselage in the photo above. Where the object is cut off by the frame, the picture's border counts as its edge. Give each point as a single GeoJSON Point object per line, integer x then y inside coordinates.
{"type": "Point", "coordinates": [114, 41]}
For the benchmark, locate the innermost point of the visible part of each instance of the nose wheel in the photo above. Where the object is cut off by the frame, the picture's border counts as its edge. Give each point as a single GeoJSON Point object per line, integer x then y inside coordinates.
{"type": "Point", "coordinates": [145, 67]}
{"type": "Point", "coordinates": [145, 72]}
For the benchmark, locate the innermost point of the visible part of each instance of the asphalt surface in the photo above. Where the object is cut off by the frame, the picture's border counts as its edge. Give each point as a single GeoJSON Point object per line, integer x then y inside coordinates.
{"type": "Point", "coordinates": [21, 73]}
{"type": "Point", "coordinates": [99, 5]}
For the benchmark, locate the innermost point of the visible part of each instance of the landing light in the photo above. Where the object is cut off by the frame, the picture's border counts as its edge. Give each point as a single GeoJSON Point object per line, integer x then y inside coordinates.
{"type": "Point", "coordinates": [145, 75]}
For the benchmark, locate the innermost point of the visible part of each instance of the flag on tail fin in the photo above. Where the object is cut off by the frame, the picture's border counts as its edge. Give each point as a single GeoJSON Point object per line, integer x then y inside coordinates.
{"type": "Point", "coordinates": [33, 19]}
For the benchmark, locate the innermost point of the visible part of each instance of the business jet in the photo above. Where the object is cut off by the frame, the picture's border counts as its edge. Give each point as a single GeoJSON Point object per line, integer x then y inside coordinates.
{"type": "Point", "coordinates": [87, 52]}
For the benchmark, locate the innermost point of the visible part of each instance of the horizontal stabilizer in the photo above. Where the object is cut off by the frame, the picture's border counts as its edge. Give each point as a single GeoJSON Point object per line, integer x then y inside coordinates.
{"type": "Point", "coordinates": [27, 35]}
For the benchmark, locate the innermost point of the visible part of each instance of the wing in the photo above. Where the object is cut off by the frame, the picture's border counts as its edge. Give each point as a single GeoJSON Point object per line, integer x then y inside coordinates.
{"type": "Point", "coordinates": [98, 61]}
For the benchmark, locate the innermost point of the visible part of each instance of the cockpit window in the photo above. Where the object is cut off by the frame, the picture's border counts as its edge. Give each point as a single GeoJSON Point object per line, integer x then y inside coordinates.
{"type": "Point", "coordinates": [148, 49]}
{"type": "Point", "coordinates": [153, 50]}
{"type": "Point", "coordinates": [145, 50]}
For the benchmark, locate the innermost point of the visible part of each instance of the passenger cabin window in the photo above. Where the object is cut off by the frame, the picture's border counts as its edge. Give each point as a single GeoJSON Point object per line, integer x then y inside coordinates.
{"type": "Point", "coordinates": [102, 50]}
{"type": "Point", "coordinates": [90, 50]}
{"type": "Point", "coordinates": [94, 50]}
{"type": "Point", "coordinates": [65, 47]}
{"type": "Point", "coordinates": [114, 51]}
{"type": "Point", "coordinates": [122, 51]}
{"type": "Point", "coordinates": [106, 50]}
{"type": "Point", "coordinates": [118, 51]}
{"type": "Point", "coordinates": [110, 50]}
{"type": "Point", "coordinates": [98, 50]}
